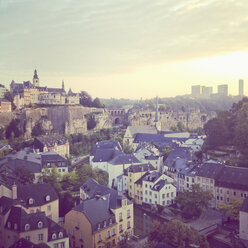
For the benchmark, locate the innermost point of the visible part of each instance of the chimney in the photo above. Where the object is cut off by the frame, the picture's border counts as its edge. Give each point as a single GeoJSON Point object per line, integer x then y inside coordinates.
{"type": "Point", "coordinates": [14, 191]}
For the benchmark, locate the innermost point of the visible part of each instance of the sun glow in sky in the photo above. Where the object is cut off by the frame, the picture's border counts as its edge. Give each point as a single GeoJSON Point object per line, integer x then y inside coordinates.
{"type": "Point", "coordinates": [125, 48]}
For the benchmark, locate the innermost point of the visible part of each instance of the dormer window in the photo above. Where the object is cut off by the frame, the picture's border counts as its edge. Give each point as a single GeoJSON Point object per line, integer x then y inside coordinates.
{"type": "Point", "coordinates": [15, 226]}
{"type": "Point", "coordinates": [48, 198]}
{"type": "Point", "coordinates": [99, 226]}
{"type": "Point", "coordinates": [40, 224]}
{"type": "Point", "coordinates": [31, 201]}
{"type": "Point", "coordinates": [54, 236]}
{"type": "Point", "coordinates": [104, 223]}
{"type": "Point", "coordinates": [27, 227]}
{"type": "Point", "coordinates": [60, 235]}
{"type": "Point", "coordinates": [9, 225]}
{"type": "Point", "coordinates": [110, 222]}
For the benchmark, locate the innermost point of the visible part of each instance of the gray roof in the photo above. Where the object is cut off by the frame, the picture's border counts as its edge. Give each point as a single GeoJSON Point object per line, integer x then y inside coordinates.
{"type": "Point", "coordinates": [54, 227]}
{"type": "Point", "coordinates": [92, 188]}
{"type": "Point", "coordinates": [123, 158]}
{"type": "Point", "coordinates": [97, 211]}
{"type": "Point", "coordinates": [210, 170]}
{"type": "Point", "coordinates": [28, 165]}
{"type": "Point", "coordinates": [152, 177]}
{"type": "Point", "coordinates": [24, 243]}
{"type": "Point", "coordinates": [18, 216]}
{"type": "Point", "coordinates": [50, 141]}
{"type": "Point", "coordinates": [106, 145]}
{"type": "Point", "coordinates": [103, 155]}
{"type": "Point", "coordinates": [140, 180]}
{"type": "Point", "coordinates": [178, 152]}
{"type": "Point", "coordinates": [37, 192]}
{"type": "Point", "coordinates": [140, 167]}
{"type": "Point", "coordinates": [160, 184]}
{"type": "Point", "coordinates": [51, 156]}
{"type": "Point", "coordinates": [233, 177]}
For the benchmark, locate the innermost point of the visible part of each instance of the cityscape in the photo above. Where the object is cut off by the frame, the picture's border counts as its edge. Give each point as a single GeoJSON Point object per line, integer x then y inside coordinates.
{"type": "Point", "coordinates": [123, 124]}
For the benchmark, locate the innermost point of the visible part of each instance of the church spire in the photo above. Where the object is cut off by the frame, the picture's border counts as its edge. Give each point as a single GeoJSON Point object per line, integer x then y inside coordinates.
{"type": "Point", "coordinates": [156, 115]}
{"type": "Point", "coordinates": [63, 85]}
{"type": "Point", "coordinates": [36, 82]}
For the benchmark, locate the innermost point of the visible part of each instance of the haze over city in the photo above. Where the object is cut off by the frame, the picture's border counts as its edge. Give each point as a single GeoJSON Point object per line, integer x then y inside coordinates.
{"type": "Point", "coordinates": [127, 49]}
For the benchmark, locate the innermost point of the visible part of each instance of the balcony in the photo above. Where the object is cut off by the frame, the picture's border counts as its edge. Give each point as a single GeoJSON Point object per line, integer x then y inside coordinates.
{"type": "Point", "coordinates": [120, 220]}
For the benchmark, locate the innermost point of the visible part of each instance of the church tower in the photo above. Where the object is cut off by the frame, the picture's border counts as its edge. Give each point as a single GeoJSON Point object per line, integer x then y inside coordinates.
{"type": "Point", "coordinates": [63, 85]}
{"type": "Point", "coordinates": [36, 81]}
{"type": "Point", "coordinates": [157, 123]}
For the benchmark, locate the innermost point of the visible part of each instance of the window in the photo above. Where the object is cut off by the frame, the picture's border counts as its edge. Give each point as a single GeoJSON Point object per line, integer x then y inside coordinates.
{"type": "Point", "coordinates": [104, 223]}
{"type": "Point", "coordinates": [56, 246]}
{"type": "Point", "coordinates": [150, 200]}
{"type": "Point", "coordinates": [40, 224]}
{"type": "Point", "coordinates": [31, 201]}
{"type": "Point", "coordinates": [54, 236]}
{"type": "Point", "coordinates": [234, 193]}
{"type": "Point", "coordinates": [241, 194]}
{"type": "Point", "coordinates": [227, 199]}
{"type": "Point", "coordinates": [146, 192]}
{"type": "Point", "coordinates": [99, 238]}
{"type": "Point", "coordinates": [120, 228]}
{"type": "Point", "coordinates": [217, 197]}
{"type": "Point", "coordinates": [113, 231]}
{"type": "Point", "coordinates": [171, 194]}
{"type": "Point", "coordinates": [128, 213]}
{"type": "Point", "coordinates": [15, 226]}
{"type": "Point", "coordinates": [108, 234]}
{"type": "Point", "coordinates": [61, 235]}
{"type": "Point", "coordinates": [128, 224]}
{"type": "Point", "coordinates": [99, 226]}
{"type": "Point", "coordinates": [146, 185]}
{"type": "Point", "coordinates": [113, 242]}
{"type": "Point", "coordinates": [40, 236]}
{"type": "Point", "coordinates": [168, 194]}
{"type": "Point", "coordinates": [49, 208]}
{"type": "Point", "coordinates": [193, 180]}
{"type": "Point", "coordinates": [110, 222]}
{"type": "Point", "coordinates": [62, 245]}
{"type": "Point", "coordinates": [168, 202]}
{"type": "Point", "coordinates": [48, 198]}
{"type": "Point", "coordinates": [150, 193]}
{"type": "Point", "coordinates": [120, 216]}
{"type": "Point", "coordinates": [163, 202]}
{"type": "Point", "coordinates": [27, 227]}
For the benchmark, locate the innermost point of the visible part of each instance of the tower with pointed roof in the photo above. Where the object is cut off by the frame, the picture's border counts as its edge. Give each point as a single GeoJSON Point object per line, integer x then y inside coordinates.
{"type": "Point", "coordinates": [36, 81]}
{"type": "Point", "coordinates": [63, 85]}
{"type": "Point", "coordinates": [157, 124]}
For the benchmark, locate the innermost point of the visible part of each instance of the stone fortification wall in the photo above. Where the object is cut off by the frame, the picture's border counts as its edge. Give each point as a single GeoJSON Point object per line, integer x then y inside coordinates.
{"type": "Point", "coordinates": [65, 119]}
{"type": "Point", "coordinates": [192, 119]}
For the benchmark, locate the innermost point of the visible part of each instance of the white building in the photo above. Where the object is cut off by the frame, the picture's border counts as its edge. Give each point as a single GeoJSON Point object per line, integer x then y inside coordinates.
{"type": "Point", "coordinates": [3, 90]}
{"type": "Point", "coordinates": [158, 189]}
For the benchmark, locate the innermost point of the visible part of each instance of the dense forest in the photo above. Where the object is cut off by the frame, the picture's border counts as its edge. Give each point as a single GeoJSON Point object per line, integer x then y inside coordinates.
{"type": "Point", "coordinates": [230, 128]}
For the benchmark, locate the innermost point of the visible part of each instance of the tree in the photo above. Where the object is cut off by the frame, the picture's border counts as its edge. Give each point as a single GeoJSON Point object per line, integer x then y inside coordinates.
{"type": "Point", "coordinates": [165, 152]}
{"type": "Point", "coordinates": [177, 234]}
{"type": "Point", "coordinates": [85, 99]}
{"type": "Point", "coordinates": [24, 175]}
{"type": "Point", "coordinates": [53, 178]}
{"type": "Point", "coordinates": [128, 149]}
{"type": "Point", "coordinates": [194, 201]}
{"type": "Point", "coordinates": [8, 96]}
{"type": "Point", "coordinates": [38, 129]}
{"type": "Point", "coordinates": [17, 127]}
{"type": "Point", "coordinates": [91, 123]}
{"type": "Point", "coordinates": [219, 130]}
{"type": "Point", "coordinates": [97, 103]}
{"type": "Point", "coordinates": [101, 177]}
{"type": "Point", "coordinates": [232, 208]}
{"type": "Point", "coordinates": [162, 108]}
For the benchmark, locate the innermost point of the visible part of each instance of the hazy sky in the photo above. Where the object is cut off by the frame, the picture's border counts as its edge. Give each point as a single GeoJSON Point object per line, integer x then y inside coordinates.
{"type": "Point", "coordinates": [125, 48]}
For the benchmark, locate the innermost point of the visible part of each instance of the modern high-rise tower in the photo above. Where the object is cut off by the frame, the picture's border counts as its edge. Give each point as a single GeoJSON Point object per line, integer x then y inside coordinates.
{"type": "Point", "coordinates": [241, 87]}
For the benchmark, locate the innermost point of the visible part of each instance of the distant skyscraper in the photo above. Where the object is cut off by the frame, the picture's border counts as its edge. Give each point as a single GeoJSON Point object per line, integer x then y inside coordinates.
{"type": "Point", "coordinates": [223, 90]}
{"type": "Point", "coordinates": [207, 91]}
{"type": "Point", "coordinates": [196, 90]}
{"type": "Point", "coordinates": [241, 87]}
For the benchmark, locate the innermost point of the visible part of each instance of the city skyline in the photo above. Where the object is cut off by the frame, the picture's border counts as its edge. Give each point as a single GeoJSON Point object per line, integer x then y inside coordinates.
{"type": "Point", "coordinates": [126, 49]}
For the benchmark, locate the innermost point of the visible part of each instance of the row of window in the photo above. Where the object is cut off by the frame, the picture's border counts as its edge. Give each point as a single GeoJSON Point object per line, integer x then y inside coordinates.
{"type": "Point", "coordinates": [163, 202]}
{"type": "Point", "coordinates": [163, 195]}
{"type": "Point", "coordinates": [128, 215]}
